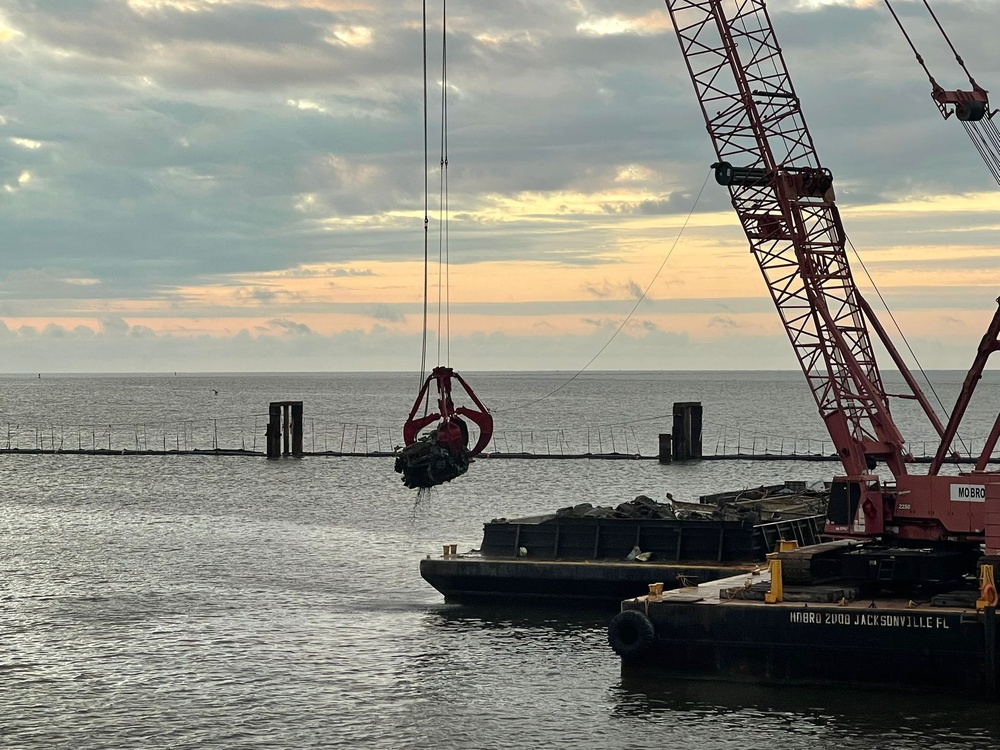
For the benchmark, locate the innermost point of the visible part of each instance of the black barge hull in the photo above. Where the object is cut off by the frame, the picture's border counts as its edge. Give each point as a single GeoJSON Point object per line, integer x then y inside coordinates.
{"type": "Point", "coordinates": [699, 632]}
{"type": "Point", "coordinates": [584, 584]}
{"type": "Point", "coordinates": [582, 562]}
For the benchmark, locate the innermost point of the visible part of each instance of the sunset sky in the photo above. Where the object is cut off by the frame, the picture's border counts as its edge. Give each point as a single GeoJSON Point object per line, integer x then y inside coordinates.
{"type": "Point", "coordinates": [237, 185]}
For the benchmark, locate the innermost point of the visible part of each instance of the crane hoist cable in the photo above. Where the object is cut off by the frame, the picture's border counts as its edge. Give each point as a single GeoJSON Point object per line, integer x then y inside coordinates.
{"type": "Point", "coordinates": [986, 138]}
{"type": "Point", "coordinates": [423, 348]}
{"type": "Point", "coordinates": [442, 453]}
{"type": "Point", "coordinates": [628, 317]}
{"type": "Point", "coordinates": [444, 270]}
{"type": "Point", "coordinates": [971, 108]}
{"type": "Point", "coordinates": [902, 336]}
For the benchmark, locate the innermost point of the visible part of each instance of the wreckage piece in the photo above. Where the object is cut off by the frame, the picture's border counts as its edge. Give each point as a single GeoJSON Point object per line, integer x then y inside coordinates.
{"type": "Point", "coordinates": [444, 453]}
{"type": "Point", "coordinates": [428, 462]}
{"type": "Point", "coordinates": [641, 508]}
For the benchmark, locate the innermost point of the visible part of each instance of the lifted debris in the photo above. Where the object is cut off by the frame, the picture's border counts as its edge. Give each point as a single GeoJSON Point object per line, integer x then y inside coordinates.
{"type": "Point", "coordinates": [427, 462]}
{"type": "Point", "coordinates": [443, 454]}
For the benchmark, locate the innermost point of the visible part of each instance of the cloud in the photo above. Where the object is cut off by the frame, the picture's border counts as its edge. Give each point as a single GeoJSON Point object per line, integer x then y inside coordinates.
{"type": "Point", "coordinates": [152, 147]}
{"type": "Point", "coordinates": [725, 322]}
{"type": "Point", "coordinates": [289, 327]}
{"type": "Point", "coordinates": [608, 290]}
{"type": "Point", "coordinates": [258, 295]}
{"type": "Point", "coordinates": [112, 325]}
{"type": "Point", "coordinates": [352, 272]}
{"type": "Point", "coordinates": [142, 332]}
{"type": "Point", "coordinates": [387, 314]}
{"type": "Point", "coordinates": [54, 331]}
{"type": "Point", "coordinates": [643, 325]}
{"type": "Point", "coordinates": [682, 202]}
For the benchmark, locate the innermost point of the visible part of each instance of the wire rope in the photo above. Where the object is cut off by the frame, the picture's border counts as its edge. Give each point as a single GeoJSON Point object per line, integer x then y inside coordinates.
{"type": "Point", "coordinates": [986, 139]}
{"type": "Point", "coordinates": [627, 317]}
{"type": "Point", "coordinates": [902, 335]}
{"type": "Point", "coordinates": [423, 347]}
{"type": "Point", "coordinates": [444, 271]}
{"type": "Point", "coordinates": [443, 203]}
{"type": "Point", "coordinates": [958, 57]}
{"type": "Point", "coordinates": [983, 134]}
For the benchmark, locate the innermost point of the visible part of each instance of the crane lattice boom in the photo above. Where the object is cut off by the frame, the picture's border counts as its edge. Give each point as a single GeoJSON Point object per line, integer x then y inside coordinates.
{"type": "Point", "coordinates": [784, 199]}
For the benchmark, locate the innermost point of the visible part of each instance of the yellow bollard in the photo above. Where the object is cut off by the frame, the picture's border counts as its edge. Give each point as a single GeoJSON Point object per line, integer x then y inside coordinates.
{"type": "Point", "coordinates": [987, 588]}
{"type": "Point", "coordinates": [777, 592]}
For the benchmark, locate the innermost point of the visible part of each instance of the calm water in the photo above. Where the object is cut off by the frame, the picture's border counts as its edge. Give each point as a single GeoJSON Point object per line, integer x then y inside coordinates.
{"type": "Point", "coordinates": [230, 602]}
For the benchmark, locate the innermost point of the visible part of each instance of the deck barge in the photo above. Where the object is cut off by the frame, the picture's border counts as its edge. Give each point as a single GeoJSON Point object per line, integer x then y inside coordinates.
{"type": "Point", "coordinates": [594, 562]}
{"type": "Point", "coordinates": [819, 634]}
{"type": "Point", "coordinates": [587, 584]}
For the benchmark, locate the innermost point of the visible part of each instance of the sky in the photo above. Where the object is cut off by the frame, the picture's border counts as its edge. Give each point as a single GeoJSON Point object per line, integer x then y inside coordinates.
{"type": "Point", "coordinates": [238, 185]}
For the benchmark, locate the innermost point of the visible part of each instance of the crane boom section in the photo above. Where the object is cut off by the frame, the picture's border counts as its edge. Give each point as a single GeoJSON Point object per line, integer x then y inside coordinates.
{"type": "Point", "coordinates": [785, 202]}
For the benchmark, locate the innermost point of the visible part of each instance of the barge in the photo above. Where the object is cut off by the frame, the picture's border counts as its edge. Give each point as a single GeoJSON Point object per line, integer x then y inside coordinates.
{"type": "Point", "coordinates": [594, 558]}
{"type": "Point", "coordinates": [757, 628]}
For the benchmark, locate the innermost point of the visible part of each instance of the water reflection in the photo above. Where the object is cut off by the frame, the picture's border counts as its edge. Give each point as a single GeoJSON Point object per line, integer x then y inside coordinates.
{"type": "Point", "coordinates": [896, 719]}
{"type": "Point", "coordinates": [510, 617]}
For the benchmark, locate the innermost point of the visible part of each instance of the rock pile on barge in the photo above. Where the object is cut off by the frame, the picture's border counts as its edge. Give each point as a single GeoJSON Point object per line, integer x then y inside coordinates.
{"type": "Point", "coordinates": [755, 505]}
{"type": "Point", "coordinates": [598, 555]}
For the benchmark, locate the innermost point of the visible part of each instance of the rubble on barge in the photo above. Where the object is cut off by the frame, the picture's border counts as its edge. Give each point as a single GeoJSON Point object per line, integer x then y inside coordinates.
{"type": "Point", "coordinates": [595, 556]}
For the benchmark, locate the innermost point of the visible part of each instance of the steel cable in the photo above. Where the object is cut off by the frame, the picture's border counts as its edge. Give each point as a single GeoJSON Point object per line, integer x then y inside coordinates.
{"type": "Point", "coordinates": [627, 317]}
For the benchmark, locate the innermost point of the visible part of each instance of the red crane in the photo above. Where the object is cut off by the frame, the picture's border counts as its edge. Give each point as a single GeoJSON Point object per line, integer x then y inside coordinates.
{"type": "Point", "coordinates": [784, 197]}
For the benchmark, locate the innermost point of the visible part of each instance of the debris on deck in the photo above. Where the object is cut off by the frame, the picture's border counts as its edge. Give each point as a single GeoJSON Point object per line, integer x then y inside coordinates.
{"type": "Point", "coordinates": [596, 556]}
{"type": "Point", "coordinates": [761, 504]}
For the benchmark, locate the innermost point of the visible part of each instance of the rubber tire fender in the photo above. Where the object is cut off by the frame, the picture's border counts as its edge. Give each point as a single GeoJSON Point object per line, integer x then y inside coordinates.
{"type": "Point", "coordinates": [631, 633]}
